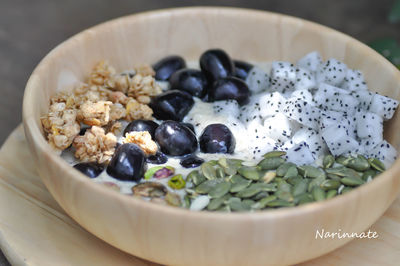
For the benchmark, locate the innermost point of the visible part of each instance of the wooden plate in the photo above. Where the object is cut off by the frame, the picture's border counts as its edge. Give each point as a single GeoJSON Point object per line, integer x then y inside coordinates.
{"type": "Point", "coordinates": [34, 230]}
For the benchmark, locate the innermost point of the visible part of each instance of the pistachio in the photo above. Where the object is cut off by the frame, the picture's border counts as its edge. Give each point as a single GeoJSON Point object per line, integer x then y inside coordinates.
{"type": "Point", "coordinates": [271, 163]}
{"type": "Point", "coordinates": [328, 161]}
{"type": "Point", "coordinates": [149, 189]}
{"type": "Point", "coordinates": [283, 168]}
{"type": "Point", "coordinates": [177, 182]}
{"type": "Point", "coordinates": [249, 172]}
{"type": "Point", "coordinates": [376, 164]}
{"type": "Point", "coordinates": [220, 189]}
{"type": "Point", "coordinates": [208, 170]}
{"type": "Point", "coordinates": [273, 154]}
{"type": "Point", "coordinates": [150, 172]}
{"type": "Point", "coordinates": [318, 193]}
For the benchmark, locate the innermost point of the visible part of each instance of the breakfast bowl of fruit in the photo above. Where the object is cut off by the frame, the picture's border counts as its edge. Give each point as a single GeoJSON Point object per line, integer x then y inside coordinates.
{"type": "Point", "coordinates": [211, 136]}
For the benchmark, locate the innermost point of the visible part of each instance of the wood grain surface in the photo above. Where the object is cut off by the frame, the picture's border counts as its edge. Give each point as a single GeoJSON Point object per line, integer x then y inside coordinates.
{"type": "Point", "coordinates": [176, 236]}
{"type": "Point", "coordinates": [36, 231]}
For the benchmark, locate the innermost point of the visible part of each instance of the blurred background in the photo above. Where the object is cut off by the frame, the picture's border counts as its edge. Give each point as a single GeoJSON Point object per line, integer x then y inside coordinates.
{"type": "Point", "coordinates": [30, 29]}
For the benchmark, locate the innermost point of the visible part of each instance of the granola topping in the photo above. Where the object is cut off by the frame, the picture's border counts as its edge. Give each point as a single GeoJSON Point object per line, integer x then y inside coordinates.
{"type": "Point", "coordinates": [136, 110]}
{"type": "Point", "coordinates": [95, 145]}
{"type": "Point", "coordinates": [95, 114]}
{"type": "Point", "coordinates": [143, 140]}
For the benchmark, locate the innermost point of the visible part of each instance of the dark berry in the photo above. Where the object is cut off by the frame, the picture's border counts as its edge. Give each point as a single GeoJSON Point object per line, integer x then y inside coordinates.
{"type": "Point", "coordinates": [216, 64]}
{"type": "Point", "coordinates": [191, 161]}
{"type": "Point", "coordinates": [158, 158]}
{"type": "Point", "coordinates": [190, 126]}
{"type": "Point", "coordinates": [230, 88]}
{"type": "Point", "coordinates": [171, 105]}
{"type": "Point", "coordinates": [90, 169]}
{"type": "Point", "coordinates": [175, 139]}
{"type": "Point", "coordinates": [242, 69]}
{"type": "Point", "coordinates": [167, 66]}
{"type": "Point", "coordinates": [217, 138]}
{"type": "Point", "coordinates": [192, 81]}
{"type": "Point", "coordinates": [142, 125]}
{"type": "Point", "coordinates": [128, 163]}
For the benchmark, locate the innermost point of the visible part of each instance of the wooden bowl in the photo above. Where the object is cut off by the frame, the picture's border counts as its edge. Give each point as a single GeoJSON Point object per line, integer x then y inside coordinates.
{"type": "Point", "coordinates": [177, 236]}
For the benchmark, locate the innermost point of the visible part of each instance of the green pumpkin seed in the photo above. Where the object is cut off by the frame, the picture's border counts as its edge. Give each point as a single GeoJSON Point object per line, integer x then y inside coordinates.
{"type": "Point", "coordinates": [376, 164]}
{"type": "Point", "coordinates": [186, 202]}
{"type": "Point", "coordinates": [173, 199]}
{"type": "Point", "coordinates": [369, 174]}
{"type": "Point", "coordinates": [196, 177]}
{"type": "Point", "coordinates": [300, 188]}
{"type": "Point", "coordinates": [333, 177]}
{"type": "Point", "coordinates": [342, 171]}
{"type": "Point", "coordinates": [236, 187]}
{"type": "Point", "coordinates": [216, 203]}
{"type": "Point", "coordinates": [249, 192]}
{"type": "Point", "coordinates": [360, 163]}
{"type": "Point", "coordinates": [268, 176]}
{"type": "Point", "coordinates": [294, 180]}
{"type": "Point", "coordinates": [207, 186]}
{"type": "Point", "coordinates": [346, 189]}
{"type": "Point", "coordinates": [260, 195]}
{"type": "Point", "coordinates": [223, 162]}
{"type": "Point", "coordinates": [311, 171]}
{"type": "Point", "coordinates": [261, 204]}
{"type": "Point", "coordinates": [220, 189]}
{"type": "Point", "coordinates": [213, 162]}
{"type": "Point", "coordinates": [247, 203]}
{"type": "Point", "coordinates": [283, 168]}
{"type": "Point", "coordinates": [273, 154]}
{"type": "Point", "coordinates": [331, 193]}
{"type": "Point", "coordinates": [329, 184]}
{"type": "Point", "coordinates": [249, 172]}
{"type": "Point", "coordinates": [280, 203]}
{"type": "Point", "coordinates": [235, 204]}
{"type": "Point", "coordinates": [271, 163]}
{"type": "Point", "coordinates": [291, 172]}
{"type": "Point", "coordinates": [328, 161]}
{"type": "Point", "coordinates": [316, 182]}
{"type": "Point", "coordinates": [303, 199]}
{"type": "Point", "coordinates": [352, 181]}
{"type": "Point", "coordinates": [220, 173]}
{"type": "Point", "coordinates": [208, 171]}
{"type": "Point", "coordinates": [224, 208]}
{"type": "Point", "coordinates": [238, 179]}
{"type": "Point", "coordinates": [343, 160]}
{"type": "Point", "coordinates": [318, 194]}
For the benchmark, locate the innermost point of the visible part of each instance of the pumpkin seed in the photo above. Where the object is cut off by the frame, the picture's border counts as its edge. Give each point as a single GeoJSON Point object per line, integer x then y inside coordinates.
{"type": "Point", "coordinates": [235, 204]}
{"type": "Point", "coordinates": [283, 168]}
{"type": "Point", "coordinates": [271, 163]}
{"type": "Point", "coordinates": [303, 198]}
{"type": "Point", "coordinates": [220, 189]}
{"type": "Point", "coordinates": [333, 177]}
{"type": "Point", "coordinates": [196, 177]}
{"type": "Point", "coordinates": [268, 176]}
{"type": "Point", "coordinates": [224, 208]}
{"type": "Point", "coordinates": [300, 188]}
{"type": "Point", "coordinates": [291, 172]}
{"type": "Point", "coordinates": [173, 199]}
{"type": "Point", "coordinates": [237, 187]}
{"type": "Point", "coordinates": [207, 186]}
{"type": "Point", "coordinates": [340, 189]}
{"type": "Point", "coordinates": [199, 203]}
{"type": "Point", "coordinates": [238, 179]}
{"type": "Point", "coordinates": [360, 163]}
{"type": "Point", "coordinates": [316, 182]}
{"type": "Point", "coordinates": [343, 160]}
{"type": "Point", "coordinates": [342, 171]}
{"type": "Point", "coordinates": [260, 195]}
{"type": "Point", "coordinates": [331, 193]}
{"type": "Point", "coordinates": [247, 203]}
{"type": "Point", "coordinates": [220, 173]}
{"type": "Point", "coordinates": [177, 182]}
{"type": "Point", "coordinates": [249, 172]}
{"type": "Point", "coordinates": [223, 161]}
{"type": "Point", "coordinates": [273, 154]}
{"type": "Point", "coordinates": [186, 202]}
{"type": "Point", "coordinates": [149, 189]}
{"type": "Point", "coordinates": [216, 203]}
{"type": "Point", "coordinates": [346, 189]}
{"type": "Point", "coordinates": [369, 174]}
{"type": "Point", "coordinates": [376, 164]}
{"type": "Point", "coordinates": [318, 193]}
{"type": "Point", "coordinates": [328, 161]}
{"type": "Point", "coordinates": [311, 171]}
{"type": "Point", "coordinates": [280, 203]}
{"type": "Point", "coordinates": [213, 162]}
{"type": "Point", "coordinates": [352, 181]}
{"type": "Point", "coordinates": [249, 191]}
{"type": "Point", "coordinates": [261, 204]}
{"type": "Point", "coordinates": [208, 171]}
{"type": "Point", "coordinates": [329, 184]}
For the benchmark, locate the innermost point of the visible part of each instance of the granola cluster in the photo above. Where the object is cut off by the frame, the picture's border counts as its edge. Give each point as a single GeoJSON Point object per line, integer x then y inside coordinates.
{"type": "Point", "coordinates": [106, 98]}
{"type": "Point", "coordinates": [143, 140]}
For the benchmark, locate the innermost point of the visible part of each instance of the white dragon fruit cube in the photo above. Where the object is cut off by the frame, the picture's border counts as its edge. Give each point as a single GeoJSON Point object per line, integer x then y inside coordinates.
{"type": "Point", "coordinates": [332, 72]}
{"type": "Point", "coordinates": [270, 103]}
{"type": "Point", "coordinates": [305, 80]}
{"type": "Point", "coordinates": [310, 61]}
{"type": "Point", "coordinates": [369, 125]}
{"type": "Point", "coordinates": [383, 106]}
{"type": "Point", "coordinates": [257, 80]}
{"type": "Point", "coordinates": [300, 154]}
{"type": "Point", "coordinates": [226, 107]}
{"type": "Point", "coordinates": [250, 111]}
{"type": "Point", "coordinates": [325, 92]}
{"type": "Point", "coordinates": [278, 127]}
{"type": "Point", "coordinates": [354, 81]}
{"type": "Point", "coordinates": [283, 77]}
{"type": "Point", "coordinates": [259, 147]}
{"type": "Point", "coordinates": [338, 141]}
{"type": "Point", "coordinates": [368, 144]}
{"type": "Point", "coordinates": [344, 103]}
{"type": "Point", "coordinates": [364, 97]}
{"type": "Point", "coordinates": [314, 140]}
{"type": "Point", "coordinates": [304, 95]}
{"type": "Point", "coordinates": [302, 112]}
{"type": "Point", "coordinates": [385, 152]}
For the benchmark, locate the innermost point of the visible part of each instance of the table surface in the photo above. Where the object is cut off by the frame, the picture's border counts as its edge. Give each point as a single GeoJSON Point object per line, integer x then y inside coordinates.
{"type": "Point", "coordinates": [30, 29]}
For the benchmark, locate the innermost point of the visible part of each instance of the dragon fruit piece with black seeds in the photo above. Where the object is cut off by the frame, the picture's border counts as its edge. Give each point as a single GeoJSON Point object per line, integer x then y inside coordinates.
{"type": "Point", "coordinates": [302, 112]}
{"type": "Point", "coordinates": [385, 152]}
{"type": "Point", "coordinates": [226, 107]}
{"type": "Point", "coordinates": [325, 92]}
{"type": "Point", "coordinates": [304, 95]}
{"type": "Point", "coordinates": [313, 139]}
{"type": "Point", "coordinates": [305, 80]}
{"type": "Point", "coordinates": [300, 154]}
{"type": "Point", "coordinates": [383, 106]}
{"type": "Point", "coordinates": [364, 97]}
{"type": "Point", "coordinates": [257, 80]}
{"type": "Point", "coordinates": [310, 61]}
{"type": "Point", "coordinates": [278, 127]}
{"type": "Point", "coordinates": [338, 141]}
{"type": "Point", "coordinates": [331, 72]}
{"type": "Point", "coordinates": [354, 81]}
{"type": "Point", "coordinates": [369, 125]}
{"type": "Point", "coordinates": [283, 77]}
